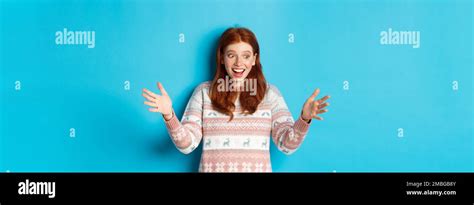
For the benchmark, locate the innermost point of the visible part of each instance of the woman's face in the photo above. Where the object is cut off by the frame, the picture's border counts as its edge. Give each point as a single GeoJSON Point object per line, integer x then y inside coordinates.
{"type": "Point", "coordinates": [238, 60]}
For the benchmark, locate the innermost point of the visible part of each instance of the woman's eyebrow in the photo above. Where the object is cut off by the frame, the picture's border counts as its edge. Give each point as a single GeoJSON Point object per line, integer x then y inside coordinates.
{"type": "Point", "coordinates": [232, 51]}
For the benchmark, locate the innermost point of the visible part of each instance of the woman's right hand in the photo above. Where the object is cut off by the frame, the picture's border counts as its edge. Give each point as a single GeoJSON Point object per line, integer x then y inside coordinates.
{"type": "Point", "coordinates": [159, 103]}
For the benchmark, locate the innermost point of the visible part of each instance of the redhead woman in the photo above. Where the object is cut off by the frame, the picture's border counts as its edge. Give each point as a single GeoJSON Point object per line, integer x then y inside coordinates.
{"type": "Point", "coordinates": [237, 114]}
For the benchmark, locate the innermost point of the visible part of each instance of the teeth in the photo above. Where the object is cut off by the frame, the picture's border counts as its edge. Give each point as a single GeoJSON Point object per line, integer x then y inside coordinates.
{"type": "Point", "coordinates": [238, 70]}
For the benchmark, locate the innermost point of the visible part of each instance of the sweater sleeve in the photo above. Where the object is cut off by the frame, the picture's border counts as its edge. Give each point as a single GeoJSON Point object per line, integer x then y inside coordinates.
{"type": "Point", "coordinates": [286, 133]}
{"type": "Point", "coordinates": [187, 134]}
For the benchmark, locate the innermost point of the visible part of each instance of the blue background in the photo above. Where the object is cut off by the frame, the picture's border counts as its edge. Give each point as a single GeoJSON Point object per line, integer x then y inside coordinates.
{"type": "Point", "coordinates": [390, 86]}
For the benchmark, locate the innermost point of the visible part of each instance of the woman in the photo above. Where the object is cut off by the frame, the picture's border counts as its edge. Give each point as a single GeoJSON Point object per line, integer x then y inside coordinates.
{"type": "Point", "coordinates": [235, 122]}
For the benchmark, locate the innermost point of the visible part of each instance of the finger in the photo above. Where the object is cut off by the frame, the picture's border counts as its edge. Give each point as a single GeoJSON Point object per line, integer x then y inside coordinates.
{"type": "Point", "coordinates": [151, 94]}
{"type": "Point", "coordinates": [317, 117]}
{"type": "Point", "coordinates": [315, 93]}
{"type": "Point", "coordinates": [153, 110]}
{"type": "Point", "coordinates": [323, 105]}
{"type": "Point", "coordinates": [162, 89]}
{"type": "Point", "coordinates": [324, 98]}
{"type": "Point", "coordinates": [148, 97]}
{"type": "Point", "coordinates": [150, 104]}
{"type": "Point", "coordinates": [321, 111]}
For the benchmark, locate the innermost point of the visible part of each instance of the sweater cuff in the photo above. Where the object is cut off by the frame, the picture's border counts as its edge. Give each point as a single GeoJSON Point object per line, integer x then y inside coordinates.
{"type": "Point", "coordinates": [173, 123]}
{"type": "Point", "coordinates": [302, 125]}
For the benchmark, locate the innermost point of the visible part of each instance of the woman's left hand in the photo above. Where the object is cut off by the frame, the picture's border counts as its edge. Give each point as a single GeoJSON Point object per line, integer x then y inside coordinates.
{"type": "Point", "coordinates": [312, 108]}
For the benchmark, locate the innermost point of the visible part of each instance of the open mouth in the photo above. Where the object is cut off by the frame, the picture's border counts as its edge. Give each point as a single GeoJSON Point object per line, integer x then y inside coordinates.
{"type": "Point", "coordinates": [238, 72]}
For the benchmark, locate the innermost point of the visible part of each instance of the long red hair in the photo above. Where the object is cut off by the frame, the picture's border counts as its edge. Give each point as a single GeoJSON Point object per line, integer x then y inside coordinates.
{"type": "Point", "coordinates": [224, 101]}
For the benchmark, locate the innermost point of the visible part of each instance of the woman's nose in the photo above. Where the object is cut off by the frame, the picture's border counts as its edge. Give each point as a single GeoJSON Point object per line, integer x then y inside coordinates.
{"type": "Point", "coordinates": [237, 61]}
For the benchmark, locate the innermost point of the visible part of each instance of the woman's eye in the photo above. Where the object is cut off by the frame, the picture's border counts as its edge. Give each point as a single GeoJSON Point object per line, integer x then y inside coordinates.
{"type": "Point", "coordinates": [246, 57]}
{"type": "Point", "coordinates": [230, 56]}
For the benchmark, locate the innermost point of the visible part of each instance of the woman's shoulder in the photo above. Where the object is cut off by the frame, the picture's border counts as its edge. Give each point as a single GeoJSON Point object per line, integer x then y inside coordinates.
{"type": "Point", "coordinates": [204, 86]}
{"type": "Point", "coordinates": [272, 90]}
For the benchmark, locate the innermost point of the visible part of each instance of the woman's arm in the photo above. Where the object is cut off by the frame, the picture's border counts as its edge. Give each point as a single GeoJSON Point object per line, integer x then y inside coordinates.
{"type": "Point", "coordinates": [187, 134]}
{"type": "Point", "coordinates": [286, 133]}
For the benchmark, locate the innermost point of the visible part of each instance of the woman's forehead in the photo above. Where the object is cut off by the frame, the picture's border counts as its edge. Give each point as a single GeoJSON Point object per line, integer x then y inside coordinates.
{"type": "Point", "coordinates": [239, 47]}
